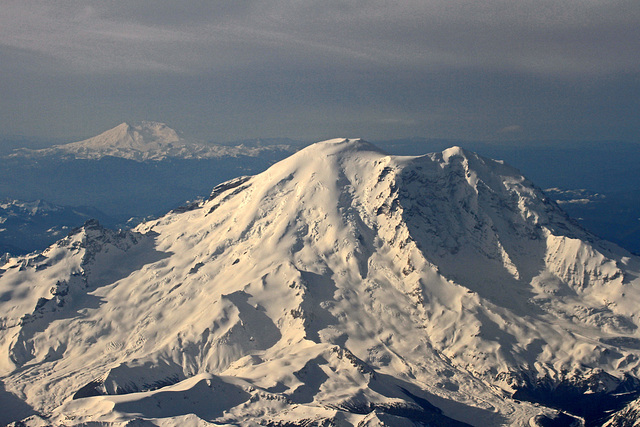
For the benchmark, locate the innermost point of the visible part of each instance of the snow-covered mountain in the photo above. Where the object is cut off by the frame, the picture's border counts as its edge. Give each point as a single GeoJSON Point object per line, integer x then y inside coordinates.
{"type": "Point", "coordinates": [342, 286]}
{"type": "Point", "coordinates": [144, 141]}
{"type": "Point", "coordinates": [132, 171]}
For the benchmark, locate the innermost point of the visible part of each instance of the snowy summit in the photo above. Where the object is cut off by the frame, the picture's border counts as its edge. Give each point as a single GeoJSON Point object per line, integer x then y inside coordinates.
{"type": "Point", "coordinates": [342, 286]}
{"type": "Point", "coordinates": [142, 141]}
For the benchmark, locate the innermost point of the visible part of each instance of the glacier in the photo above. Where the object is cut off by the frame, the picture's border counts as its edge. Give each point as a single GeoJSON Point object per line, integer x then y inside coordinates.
{"type": "Point", "coordinates": [342, 286]}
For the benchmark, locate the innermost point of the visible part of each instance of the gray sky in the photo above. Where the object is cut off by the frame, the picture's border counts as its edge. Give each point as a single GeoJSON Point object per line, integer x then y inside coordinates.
{"type": "Point", "coordinates": [225, 70]}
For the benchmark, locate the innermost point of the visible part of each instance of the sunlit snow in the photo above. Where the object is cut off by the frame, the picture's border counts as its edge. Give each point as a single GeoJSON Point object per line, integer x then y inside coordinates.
{"type": "Point", "coordinates": [341, 285]}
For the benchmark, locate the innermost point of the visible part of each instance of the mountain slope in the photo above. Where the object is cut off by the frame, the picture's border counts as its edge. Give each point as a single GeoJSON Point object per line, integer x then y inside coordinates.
{"type": "Point", "coordinates": [145, 141]}
{"type": "Point", "coordinates": [341, 285]}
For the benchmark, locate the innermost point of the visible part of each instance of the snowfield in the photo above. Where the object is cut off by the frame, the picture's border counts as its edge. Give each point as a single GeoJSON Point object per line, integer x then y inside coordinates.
{"type": "Point", "coordinates": [342, 286]}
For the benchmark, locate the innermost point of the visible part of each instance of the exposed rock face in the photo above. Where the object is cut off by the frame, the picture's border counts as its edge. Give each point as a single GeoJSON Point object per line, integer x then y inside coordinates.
{"type": "Point", "coordinates": [629, 416]}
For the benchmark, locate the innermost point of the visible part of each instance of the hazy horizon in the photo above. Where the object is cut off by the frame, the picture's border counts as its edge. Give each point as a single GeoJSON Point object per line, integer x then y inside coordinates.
{"type": "Point", "coordinates": [495, 70]}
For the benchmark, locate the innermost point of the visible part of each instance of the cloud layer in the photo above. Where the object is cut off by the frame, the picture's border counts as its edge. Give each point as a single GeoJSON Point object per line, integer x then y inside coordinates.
{"type": "Point", "coordinates": [460, 69]}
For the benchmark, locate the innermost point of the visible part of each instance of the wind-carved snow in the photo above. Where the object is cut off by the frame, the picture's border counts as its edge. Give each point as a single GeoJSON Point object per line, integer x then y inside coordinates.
{"type": "Point", "coordinates": [145, 141]}
{"type": "Point", "coordinates": [341, 285]}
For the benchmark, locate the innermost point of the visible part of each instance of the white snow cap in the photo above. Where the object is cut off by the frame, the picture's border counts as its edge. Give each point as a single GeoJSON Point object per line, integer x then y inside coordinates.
{"type": "Point", "coordinates": [146, 141]}
{"type": "Point", "coordinates": [341, 285]}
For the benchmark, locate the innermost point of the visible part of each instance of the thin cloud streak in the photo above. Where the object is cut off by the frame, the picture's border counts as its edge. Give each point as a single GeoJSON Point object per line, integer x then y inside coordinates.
{"type": "Point", "coordinates": [574, 36]}
{"type": "Point", "coordinates": [425, 64]}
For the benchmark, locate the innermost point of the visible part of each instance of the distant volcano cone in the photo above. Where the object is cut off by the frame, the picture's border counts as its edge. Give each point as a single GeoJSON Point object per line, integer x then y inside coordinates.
{"type": "Point", "coordinates": [146, 141]}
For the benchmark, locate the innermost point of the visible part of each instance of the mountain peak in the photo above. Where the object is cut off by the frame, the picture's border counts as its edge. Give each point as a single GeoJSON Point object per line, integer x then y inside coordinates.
{"type": "Point", "coordinates": [338, 145]}
{"type": "Point", "coordinates": [124, 126]}
{"type": "Point", "coordinates": [470, 158]}
{"type": "Point", "coordinates": [455, 150]}
{"type": "Point", "coordinates": [340, 283]}
{"type": "Point", "coordinates": [143, 141]}
{"type": "Point", "coordinates": [137, 136]}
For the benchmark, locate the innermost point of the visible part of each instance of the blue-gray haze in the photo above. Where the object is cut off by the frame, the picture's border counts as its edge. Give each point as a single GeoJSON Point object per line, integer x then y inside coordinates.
{"type": "Point", "coordinates": [489, 70]}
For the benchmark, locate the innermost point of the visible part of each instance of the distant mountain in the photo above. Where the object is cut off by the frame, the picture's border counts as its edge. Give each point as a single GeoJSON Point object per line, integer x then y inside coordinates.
{"type": "Point", "coordinates": [126, 185]}
{"type": "Point", "coordinates": [146, 141]}
{"type": "Point", "coordinates": [138, 170]}
{"type": "Point", "coordinates": [29, 226]}
{"type": "Point", "coordinates": [341, 286]}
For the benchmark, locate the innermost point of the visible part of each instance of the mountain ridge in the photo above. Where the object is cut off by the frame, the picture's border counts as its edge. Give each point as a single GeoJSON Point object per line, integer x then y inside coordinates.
{"type": "Point", "coordinates": [145, 141]}
{"type": "Point", "coordinates": [341, 285]}
{"type": "Point", "coordinates": [26, 226]}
